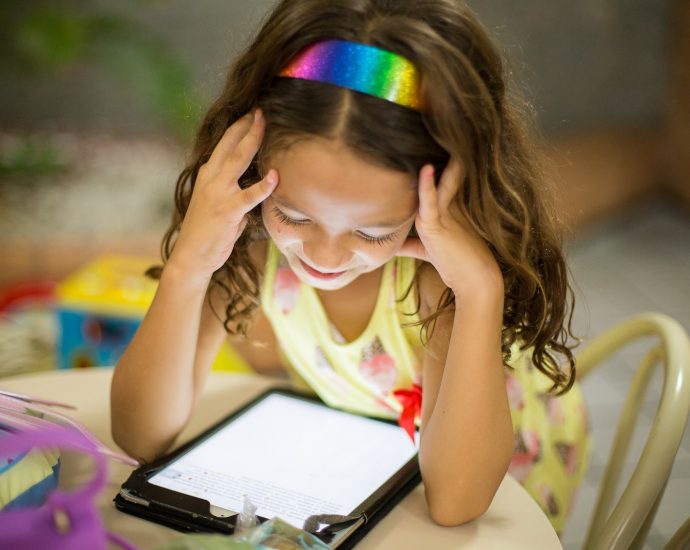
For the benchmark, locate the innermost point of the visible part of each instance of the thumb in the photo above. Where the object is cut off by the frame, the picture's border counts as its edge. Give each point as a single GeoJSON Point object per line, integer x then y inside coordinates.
{"type": "Point", "coordinates": [413, 248]}
{"type": "Point", "coordinates": [257, 193]}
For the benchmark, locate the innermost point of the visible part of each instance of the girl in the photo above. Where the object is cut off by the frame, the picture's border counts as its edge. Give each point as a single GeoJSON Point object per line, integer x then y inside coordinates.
{"type": "Point", "coordinates": [364, 203]}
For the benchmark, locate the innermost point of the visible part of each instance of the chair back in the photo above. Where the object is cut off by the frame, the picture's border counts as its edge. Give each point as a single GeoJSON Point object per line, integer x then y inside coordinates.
{"type": "Point", "coordinates": [628, 523]}
{"type": "Point", "coordinates": [681, 538]}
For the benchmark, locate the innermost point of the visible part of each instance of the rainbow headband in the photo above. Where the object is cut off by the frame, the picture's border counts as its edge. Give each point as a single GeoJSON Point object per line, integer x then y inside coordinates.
{"type": "Point", "coordinates": [359, 67]}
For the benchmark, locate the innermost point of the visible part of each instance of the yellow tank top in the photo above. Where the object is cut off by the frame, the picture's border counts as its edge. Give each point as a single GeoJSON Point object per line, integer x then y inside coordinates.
{"type": "Point", "coordinates": [359, 376]}
{"type": "Point", "coordinates": [552, 444]}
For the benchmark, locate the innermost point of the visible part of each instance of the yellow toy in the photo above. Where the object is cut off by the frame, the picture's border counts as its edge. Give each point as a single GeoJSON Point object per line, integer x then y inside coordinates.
{"type": "Point", "coordinates": [99, 308]}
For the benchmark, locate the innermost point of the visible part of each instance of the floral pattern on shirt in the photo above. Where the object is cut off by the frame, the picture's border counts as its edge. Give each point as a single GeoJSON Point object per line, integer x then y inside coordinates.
{"type": "Point", "coordinates": [286, 289]}
{"type": "Point", "coordinates": [378, 367]}
{"type": "Point", "coordinates": [568, 455]}
{"type": "Point", "coordinates": [547, 500]}
{"type": "Point", "coordinates": [554, 408]}
{"type": "Point", "coordinates": [515, 393]}
{"type": "Point", "coordinates": [527, 452]}
{"type": "Point", "coordinates": [322, 362]}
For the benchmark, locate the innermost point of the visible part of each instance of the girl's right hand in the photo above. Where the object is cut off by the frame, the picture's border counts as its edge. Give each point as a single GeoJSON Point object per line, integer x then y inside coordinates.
{"type": "Point", "coordinates": [217, 212]}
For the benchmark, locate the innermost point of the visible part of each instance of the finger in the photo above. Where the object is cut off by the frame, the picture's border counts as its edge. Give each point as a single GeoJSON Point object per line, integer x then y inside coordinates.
{"type": "Point", "coordinates": [229, 141]}
{"type": "Point", "coordinates": [259, 192]}
{"type": "Point", "coordinates": [237, 162]}
{"type": "Point", "coordinates": [449, 184]}
{"type": "Point", "coordinates": [428, 200]}
{"type": "Point", "coordinates": [413, 248]}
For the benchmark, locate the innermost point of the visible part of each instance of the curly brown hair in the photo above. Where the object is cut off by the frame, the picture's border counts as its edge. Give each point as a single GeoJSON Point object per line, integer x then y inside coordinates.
{"type": "Point", "coordinates": [468, 114]}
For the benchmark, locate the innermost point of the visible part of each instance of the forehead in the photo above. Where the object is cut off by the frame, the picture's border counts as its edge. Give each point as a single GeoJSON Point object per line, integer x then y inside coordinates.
{"type": "Point", "coordinates": [324, 177]}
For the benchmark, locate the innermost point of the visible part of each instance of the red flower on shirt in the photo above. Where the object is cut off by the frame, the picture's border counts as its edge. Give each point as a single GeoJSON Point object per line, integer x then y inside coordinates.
{"type": "Point", "coordinates": [411, 401]}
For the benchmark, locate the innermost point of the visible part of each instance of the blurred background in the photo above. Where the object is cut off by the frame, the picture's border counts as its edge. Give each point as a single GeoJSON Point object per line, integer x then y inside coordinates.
{"type": "Point", "coordinates": [100, 99]}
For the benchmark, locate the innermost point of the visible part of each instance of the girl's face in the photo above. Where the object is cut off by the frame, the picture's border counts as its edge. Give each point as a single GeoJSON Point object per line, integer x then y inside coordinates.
{"type": "Point", "coordinates": [335, 216]}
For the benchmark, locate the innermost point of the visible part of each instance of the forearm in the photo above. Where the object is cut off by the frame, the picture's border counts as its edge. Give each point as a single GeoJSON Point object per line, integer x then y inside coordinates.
{"type": "Point", "coordinates": [152, 391]}
{"type": "Point", "coordinates": [162, 371]}
{"type": "Point", "coordinates": [467, 443]}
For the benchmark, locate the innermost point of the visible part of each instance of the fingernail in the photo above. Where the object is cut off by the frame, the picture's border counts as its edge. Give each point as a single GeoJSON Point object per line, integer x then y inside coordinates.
{"type": "Point", "coordinates": [272, 177]}
{"type": "Point", "coordinates": [258, 115]}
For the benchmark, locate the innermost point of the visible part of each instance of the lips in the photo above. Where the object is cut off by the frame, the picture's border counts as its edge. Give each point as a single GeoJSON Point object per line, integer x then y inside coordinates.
{"type": "Point", "coordinates": [320, 274]}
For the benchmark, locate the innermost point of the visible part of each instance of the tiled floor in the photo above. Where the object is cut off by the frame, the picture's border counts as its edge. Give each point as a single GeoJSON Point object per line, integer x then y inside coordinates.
{"type": "Point", "coordinates": [639, 261]}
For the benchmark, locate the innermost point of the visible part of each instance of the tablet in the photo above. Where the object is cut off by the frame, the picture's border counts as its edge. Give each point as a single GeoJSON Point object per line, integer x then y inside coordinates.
{"type": "Point", "coordinates": [293, 457]}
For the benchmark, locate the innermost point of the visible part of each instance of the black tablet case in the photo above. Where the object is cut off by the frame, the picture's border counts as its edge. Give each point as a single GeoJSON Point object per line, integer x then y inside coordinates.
{"type": "Point", "coordinates": [190, 514]}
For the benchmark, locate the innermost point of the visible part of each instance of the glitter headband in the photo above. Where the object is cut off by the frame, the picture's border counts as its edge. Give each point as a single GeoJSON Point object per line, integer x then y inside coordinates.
{"type": "Point", "coordinates": [358, 67]}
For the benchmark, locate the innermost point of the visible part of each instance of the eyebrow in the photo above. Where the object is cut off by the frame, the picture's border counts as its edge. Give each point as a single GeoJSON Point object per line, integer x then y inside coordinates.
{"type": "Point", "coordinates": [391, 224]}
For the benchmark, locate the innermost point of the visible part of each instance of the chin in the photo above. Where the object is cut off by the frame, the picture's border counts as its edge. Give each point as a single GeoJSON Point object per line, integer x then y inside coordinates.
{"type": "Point", "coordinates": [320, 285]}
{"type": "Point", "coordinates": [324, 284]}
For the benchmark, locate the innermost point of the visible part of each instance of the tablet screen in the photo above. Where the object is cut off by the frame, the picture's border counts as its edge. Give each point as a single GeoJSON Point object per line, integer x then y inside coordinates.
{"type": "Point", "coordinates": [292, 458]}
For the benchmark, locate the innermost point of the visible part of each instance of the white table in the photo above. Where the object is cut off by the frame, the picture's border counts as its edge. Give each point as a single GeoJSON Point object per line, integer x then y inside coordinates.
{"type": "Point", "coordinates": [513, 521]}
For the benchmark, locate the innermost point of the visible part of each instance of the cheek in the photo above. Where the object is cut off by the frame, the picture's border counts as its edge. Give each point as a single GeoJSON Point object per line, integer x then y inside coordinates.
{"type": "Point", "coordinates": [383, 253]}
{"type": "Point", "coordinates": [377, 255]}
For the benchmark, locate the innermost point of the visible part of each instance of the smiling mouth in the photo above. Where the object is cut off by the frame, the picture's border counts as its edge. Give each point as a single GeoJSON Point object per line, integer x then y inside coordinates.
{"type": "Point", "coordinates": [320, 274]}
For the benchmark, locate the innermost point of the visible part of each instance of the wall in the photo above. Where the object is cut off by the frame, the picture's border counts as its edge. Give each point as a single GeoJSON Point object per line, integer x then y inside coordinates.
{"type": "Point", "coordinates": [609, 82]}
{"type": "Point", "coordinates": [587, 63]}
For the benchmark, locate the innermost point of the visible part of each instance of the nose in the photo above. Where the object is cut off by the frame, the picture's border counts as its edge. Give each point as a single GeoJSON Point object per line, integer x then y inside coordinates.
{"type": "Point", "coordinates": [326, 254]}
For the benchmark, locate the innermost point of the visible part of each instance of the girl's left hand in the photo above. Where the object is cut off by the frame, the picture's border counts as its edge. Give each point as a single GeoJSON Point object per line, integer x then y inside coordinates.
{"type": "Point", "coordinates": [446, 239]}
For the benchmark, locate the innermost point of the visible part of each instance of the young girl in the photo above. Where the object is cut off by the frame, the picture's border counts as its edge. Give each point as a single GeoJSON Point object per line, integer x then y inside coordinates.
{"type": "Point", "coordinates": [364, 206]}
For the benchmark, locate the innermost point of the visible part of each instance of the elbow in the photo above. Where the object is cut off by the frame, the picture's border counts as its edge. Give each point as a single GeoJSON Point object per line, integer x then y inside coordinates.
{"type": "Point", "coordinates": [139, 435]}
{"type": "Point", "coordinates": [468, 499]}
{"type": "Point", "coordinates": [137, 443]}
{"type": "Point", "coordinates": [141, 445]}
{"type": "Point", "coordinates": [130, 446]}
{"type": "Point", "coordinates": [449, 514]}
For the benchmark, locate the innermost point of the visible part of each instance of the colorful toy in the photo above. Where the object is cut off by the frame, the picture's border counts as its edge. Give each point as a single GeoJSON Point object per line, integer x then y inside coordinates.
{"type": "Point", "coordinates": [100, 307]}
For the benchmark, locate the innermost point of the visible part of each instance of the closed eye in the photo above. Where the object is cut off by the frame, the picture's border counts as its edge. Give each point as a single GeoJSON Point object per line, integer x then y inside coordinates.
{"type": "Point", "coordinates": [379, 240]}
{"type": "Point", "coordinates": [287, 220]}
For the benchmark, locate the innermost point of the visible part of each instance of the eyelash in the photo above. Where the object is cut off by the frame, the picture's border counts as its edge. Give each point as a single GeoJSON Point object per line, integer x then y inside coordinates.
{"type": "Point", "coordinates": [287, 220]}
